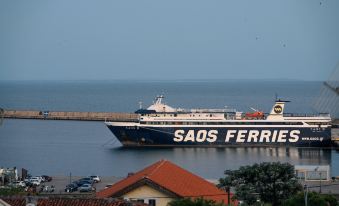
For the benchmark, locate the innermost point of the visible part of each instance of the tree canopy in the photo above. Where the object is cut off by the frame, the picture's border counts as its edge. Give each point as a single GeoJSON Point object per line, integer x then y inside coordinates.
{"type": "Point", "coordinates": [195, 202]}
{"type": "Point", "coordinates": [272, 182]}
{"type": "Point", "coordinates": [314, 199]}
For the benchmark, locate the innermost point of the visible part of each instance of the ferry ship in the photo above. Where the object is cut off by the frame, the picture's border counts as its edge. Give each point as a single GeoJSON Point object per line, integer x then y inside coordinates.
{"type": "Point", "coordinates": [162, 125]}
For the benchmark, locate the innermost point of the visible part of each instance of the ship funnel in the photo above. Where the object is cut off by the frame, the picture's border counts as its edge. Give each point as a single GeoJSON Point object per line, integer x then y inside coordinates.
{"type": "Point", "coordinates": [277, 110]}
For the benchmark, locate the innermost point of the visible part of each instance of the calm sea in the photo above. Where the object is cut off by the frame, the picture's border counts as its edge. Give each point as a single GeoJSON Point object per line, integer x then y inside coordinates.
{"type": "Point", "coordinates": [85, 148]}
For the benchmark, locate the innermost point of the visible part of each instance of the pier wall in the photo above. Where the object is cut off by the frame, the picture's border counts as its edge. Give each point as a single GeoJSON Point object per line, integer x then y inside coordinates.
{"type": "Point", "coordinates": [57, 115]}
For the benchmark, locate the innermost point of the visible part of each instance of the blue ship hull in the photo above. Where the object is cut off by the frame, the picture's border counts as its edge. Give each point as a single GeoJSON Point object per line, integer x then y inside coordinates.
{"type": "Point", "coordinates": [223, 136]}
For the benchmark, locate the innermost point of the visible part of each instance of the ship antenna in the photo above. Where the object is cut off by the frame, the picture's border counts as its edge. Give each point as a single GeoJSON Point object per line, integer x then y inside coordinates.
{"type": "Point", "coordinates": [140, 105]}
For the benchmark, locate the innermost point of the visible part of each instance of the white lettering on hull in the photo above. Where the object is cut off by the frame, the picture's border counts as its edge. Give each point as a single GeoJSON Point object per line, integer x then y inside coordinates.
{"type": "Point", "coordinates": [238, 136]}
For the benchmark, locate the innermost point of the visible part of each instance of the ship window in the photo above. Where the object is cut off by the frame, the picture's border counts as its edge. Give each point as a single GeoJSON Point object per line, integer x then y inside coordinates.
{"type": "Point", "coordinates": [210, 115]}
{"type": "Point", "coordinates": [175, 115]}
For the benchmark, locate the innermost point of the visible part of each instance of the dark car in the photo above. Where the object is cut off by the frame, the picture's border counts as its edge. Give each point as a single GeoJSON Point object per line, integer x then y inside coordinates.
{"type": "Point", "coordinates": [28, 184]}
{"type": "Point", "coordinates": [81, 182]}
{"type": "Point", "coordinates": [71, 187]}
{"type": "Point", "coordinates": [87, 179]}
{"type": "Point", "coordinates": [46, 178]}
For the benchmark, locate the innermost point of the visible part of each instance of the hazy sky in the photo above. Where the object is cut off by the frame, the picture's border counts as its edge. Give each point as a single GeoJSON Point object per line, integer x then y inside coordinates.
{"type": "Point", "coordinates": [173, 39]}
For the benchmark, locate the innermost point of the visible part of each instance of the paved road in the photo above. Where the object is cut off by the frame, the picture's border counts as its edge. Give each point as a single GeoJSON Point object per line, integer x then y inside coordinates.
{"type": "Point", "coordinates": [327, 187]}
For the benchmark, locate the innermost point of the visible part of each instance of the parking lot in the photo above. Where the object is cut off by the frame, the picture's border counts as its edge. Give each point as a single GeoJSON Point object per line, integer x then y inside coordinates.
{"type": "Point", "coordinates": [60, 182]}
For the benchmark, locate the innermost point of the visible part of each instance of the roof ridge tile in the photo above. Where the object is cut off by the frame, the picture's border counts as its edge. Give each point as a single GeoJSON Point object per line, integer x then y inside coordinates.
{"type": "Point", "coordinates": [162, 162]}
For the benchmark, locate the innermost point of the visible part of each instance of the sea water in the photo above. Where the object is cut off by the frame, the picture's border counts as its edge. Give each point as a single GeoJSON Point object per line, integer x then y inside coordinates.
{"type": "Point", "coordinates": [86, 148]}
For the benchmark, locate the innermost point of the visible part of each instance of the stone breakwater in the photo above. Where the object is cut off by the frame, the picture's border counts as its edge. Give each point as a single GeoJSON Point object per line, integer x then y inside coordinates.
{"type": "Point", "coordinates": [58, 115]}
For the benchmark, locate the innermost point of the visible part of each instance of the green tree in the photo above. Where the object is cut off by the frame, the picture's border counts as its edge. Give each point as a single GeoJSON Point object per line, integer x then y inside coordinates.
{"type": "Point", "coordinates": [12, 191]}
{"type": "Point", "coordinates": [272, 182]}
{"type": "Point", "coordinates": [314, 199]}
{"type": "Point", "coordinates": [195, 202]}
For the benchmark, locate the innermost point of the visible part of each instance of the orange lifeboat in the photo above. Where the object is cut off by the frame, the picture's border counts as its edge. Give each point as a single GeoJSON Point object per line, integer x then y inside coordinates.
{"type": "Point", "coordinates": [255, 115]}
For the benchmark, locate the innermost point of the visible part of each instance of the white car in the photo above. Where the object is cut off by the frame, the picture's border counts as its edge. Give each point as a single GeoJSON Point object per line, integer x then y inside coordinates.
{"type": "Point", "coordinates": [19, 184]}
{"type": "Point", "coordinates": [35, 182]}
{"type": "Point", "coordinates": [38, 179]}
{"type": "Point", "coordinates": [95, 178]}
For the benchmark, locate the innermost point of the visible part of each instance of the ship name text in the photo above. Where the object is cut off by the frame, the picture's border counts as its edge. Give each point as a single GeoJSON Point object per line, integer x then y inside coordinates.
{"type": "Point", "coordinates": [237, 136]}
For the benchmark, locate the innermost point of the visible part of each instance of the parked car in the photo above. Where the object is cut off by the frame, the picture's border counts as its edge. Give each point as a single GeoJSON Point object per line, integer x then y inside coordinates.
{"type": "Point", "coordinates": [88, 179]}
{"type": "Point", "coordinates": [35, 179]}
{"type": "Point", "coordinates": [71, 187]}
{"type": "Point", "coordinates": [35, 182]}
{"type": "Point", "coordinates": [86, 188]}
{"type": "Point", "coordinates": [77, 183]}
{"type": "Point", "coordinates": [40, 178]}
{"type": "Point", "coordinates": [108, 186]}
{"type": "Point", "coordinates": [18, 184]}
{"type": "Point", "coordinates": [46, 178]}
{"type": "Point", "coordinates": [28, 184]}
{"type": "Point", "coordinates": [95, 178]}
{"type": "Point", "coordinates": [82, 182]}
{"type": "Point", "coordinates": [49, 189]}
{"type": "Point", "coordinates": [86, 182]}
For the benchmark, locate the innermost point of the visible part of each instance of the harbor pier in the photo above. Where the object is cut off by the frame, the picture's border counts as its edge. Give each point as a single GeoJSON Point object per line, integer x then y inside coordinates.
{"type": "Point", "coordinates": [58, 115]}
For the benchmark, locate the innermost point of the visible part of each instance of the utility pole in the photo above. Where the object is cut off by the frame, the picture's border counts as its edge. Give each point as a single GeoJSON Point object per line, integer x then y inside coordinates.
{"type": "Point", "coordinates": [305, 193]}
{"type": "Point", "coordinates": [228, 195]}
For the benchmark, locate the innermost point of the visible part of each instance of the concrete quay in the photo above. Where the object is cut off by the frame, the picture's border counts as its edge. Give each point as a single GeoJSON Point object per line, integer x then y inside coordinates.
{"type": "Point", "coordinates": [55, 115]}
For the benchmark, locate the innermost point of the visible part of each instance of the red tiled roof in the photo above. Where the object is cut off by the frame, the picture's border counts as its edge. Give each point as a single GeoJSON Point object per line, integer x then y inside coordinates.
{"type": "Point", "coordinates": [173, 178]}
{"type": "Point", "coordinates": [15, 201]}
{"type": "Point", "coordinates": [65, 202]}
